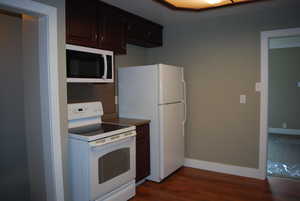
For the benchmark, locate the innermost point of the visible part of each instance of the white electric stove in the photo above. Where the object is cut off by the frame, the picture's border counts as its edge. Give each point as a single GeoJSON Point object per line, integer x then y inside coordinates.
{"type": "Point", "coordinates": [102, 156]}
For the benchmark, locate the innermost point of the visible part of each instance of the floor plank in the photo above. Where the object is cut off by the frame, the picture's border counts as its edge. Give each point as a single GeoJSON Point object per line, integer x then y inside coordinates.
{"type": "Point", "coordinates": [190, 184]}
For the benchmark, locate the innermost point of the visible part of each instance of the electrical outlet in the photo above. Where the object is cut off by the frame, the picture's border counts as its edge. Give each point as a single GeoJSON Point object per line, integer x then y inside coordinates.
{"type": "Point", "coordinates": [116, 100]}
{"type": "Point", "coordinates": [284, 125]}
{"type": "Point", "coordinates": [243, 99]}
{"type": "Point", "coordinates": [298, 84]}
{"type": "Point", "coordinates": [258, 86]}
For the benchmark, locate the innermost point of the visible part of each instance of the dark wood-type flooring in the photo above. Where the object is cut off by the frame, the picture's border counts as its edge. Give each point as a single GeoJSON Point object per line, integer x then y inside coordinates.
{"type": "Point", "coordinates": [190, 184]}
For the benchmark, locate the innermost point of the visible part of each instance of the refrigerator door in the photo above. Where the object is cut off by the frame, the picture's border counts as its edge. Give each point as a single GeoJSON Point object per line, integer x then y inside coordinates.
{"type": "Point", "coordinates": [171, 138]}
{"type": "Point", "coordinates": [171, 86]}
{"type": "Point", "coordinates": [138, 99]}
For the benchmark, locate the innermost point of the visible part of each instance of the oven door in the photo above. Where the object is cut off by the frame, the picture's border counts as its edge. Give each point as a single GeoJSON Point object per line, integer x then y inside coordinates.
{"type": "Point", "coordinates": [111, 166]}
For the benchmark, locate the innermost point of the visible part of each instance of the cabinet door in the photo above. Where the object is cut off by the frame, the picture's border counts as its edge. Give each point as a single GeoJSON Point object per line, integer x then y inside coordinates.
{"type": "Point", "coordinates": [112, 28]}
{"type": "Point", "coordinates": [81, 19]}
{"type": "Point", "coordinates": [142, 152]}
{"type": "Point", "coordinates": [136, 30]}
{"type": "Point", "coordinates": [143, 32]}
{"type": "Point", "coordinates": [154, 35]}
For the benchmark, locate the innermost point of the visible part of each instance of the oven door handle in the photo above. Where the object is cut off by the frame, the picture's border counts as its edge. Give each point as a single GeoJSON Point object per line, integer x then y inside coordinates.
{"type": "Point", "coordinates": [101, 142]}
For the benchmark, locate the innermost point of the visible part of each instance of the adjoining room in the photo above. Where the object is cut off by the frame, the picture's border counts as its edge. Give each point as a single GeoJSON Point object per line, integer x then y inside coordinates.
{"type": "Point", "coordinates": [284, 110]}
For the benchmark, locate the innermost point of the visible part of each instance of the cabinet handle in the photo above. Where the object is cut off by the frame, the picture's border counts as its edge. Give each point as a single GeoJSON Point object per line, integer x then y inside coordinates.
{"type": "Point", "coordinates": [102, 38]}
{"type": "Point", "coordinates": [96, 36]}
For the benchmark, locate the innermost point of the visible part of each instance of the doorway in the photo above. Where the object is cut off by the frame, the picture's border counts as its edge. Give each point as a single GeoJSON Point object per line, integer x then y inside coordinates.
{"type": "Point", "coordinates": [31, 161]}
{"type": "Point", "coordinates": [280, 96]}
{"type": "Point", "coordinates": [284, 111]}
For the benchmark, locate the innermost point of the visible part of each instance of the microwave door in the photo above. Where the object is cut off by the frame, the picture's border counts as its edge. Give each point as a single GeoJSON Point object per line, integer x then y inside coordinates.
{"type": "Point", "coordinates": [85, 65]}
{"type": "Point", "coordinates": [89, 65]}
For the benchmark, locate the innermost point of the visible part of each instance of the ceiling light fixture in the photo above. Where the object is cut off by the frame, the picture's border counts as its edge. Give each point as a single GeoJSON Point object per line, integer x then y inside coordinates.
{"type": "Point", "coordinates": [213, 1]}
{"type": "Point", "coordinates": [199, 5]}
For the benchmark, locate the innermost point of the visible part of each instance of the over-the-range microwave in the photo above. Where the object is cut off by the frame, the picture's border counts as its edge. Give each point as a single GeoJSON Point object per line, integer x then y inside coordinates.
{"type": "Point", "coordinates": [89, 65]}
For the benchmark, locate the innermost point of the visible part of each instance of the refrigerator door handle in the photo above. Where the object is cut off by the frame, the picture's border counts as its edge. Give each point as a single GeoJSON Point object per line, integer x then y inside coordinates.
{"type": "Point", "coordinates": [184, 98]}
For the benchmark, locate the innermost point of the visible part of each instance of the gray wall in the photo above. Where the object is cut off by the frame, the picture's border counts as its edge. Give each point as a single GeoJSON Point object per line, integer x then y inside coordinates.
{"type": "Point", "coordinates": [284, 95]}
{"type": "Point", "coordinates": [14, 182]}
{"type": "Point", "coordinates": [135, 56]}
{"type": "Point", "coordinates": [221, 57]}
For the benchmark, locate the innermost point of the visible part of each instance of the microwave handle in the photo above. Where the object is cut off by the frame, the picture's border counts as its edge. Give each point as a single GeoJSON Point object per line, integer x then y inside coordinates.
{"type": "Point", "coordinates": [105, 67]}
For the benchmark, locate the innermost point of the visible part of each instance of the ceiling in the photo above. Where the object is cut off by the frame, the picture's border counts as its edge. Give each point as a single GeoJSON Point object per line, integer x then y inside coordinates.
{"type": "Point", "coordinates": [156, 12]}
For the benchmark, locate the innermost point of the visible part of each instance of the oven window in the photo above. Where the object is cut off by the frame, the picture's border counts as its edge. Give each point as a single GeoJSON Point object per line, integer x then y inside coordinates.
{"type": "Point", "coordinates": [113, 164]}
{"type": "Point", "coordinates": [84, 65]}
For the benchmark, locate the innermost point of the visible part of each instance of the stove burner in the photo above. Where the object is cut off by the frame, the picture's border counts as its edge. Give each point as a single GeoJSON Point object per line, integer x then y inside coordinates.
{"type": "Point", "coordinates": [95, 129]}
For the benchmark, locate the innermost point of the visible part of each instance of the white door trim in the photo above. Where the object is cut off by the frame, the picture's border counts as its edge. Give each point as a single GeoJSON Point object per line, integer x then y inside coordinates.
{"type": "Point", "coordinates": [265, 36]}
{"type": "Point", "coordinates": [51, 114]}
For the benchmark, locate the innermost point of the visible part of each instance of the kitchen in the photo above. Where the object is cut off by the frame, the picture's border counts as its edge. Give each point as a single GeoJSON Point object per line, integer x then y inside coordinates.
{"type": "Point", "coordinates": [91, 31]}
{"type": "Point", "coordinates": [196, 144]}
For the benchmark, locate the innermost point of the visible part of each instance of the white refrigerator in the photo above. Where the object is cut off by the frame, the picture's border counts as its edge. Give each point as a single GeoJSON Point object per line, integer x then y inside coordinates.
{"type": "Point", "coordinates": [157, 92]}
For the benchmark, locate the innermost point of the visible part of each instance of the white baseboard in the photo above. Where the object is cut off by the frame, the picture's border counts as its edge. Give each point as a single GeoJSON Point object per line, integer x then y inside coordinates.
{"type": "Point", "coordinates": [283, 131]}
{"type": "Point", "coordinates": [222, 168]}
{"type": "Point", "coordinates": [140, 182]}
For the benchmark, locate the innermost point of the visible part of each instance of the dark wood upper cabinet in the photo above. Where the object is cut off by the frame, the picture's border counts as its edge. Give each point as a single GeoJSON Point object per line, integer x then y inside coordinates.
{"type": "Point", "coordinates": [112, 29]}
{"type": "Point", "coordinates": [81, 23]}
{"type": "Point", "coordinates": [154, 35]}
{"type": "Point", "coordinates": [136, 29]}
{"type": "Point", "coordinates": [143, 33]}
{"type": "Point", "coordinates": [99, 25]}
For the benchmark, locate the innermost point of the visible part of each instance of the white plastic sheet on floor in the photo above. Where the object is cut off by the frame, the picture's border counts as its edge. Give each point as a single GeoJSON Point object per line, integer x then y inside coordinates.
{"type": "Point", "coordinates": [283, 169]}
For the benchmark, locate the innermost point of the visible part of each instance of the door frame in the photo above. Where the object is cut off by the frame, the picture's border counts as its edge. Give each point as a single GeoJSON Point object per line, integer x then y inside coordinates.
{"type": "Point", "coordinates": [263, 141]}
{"type": "Point", "coordinates": [49, 88]}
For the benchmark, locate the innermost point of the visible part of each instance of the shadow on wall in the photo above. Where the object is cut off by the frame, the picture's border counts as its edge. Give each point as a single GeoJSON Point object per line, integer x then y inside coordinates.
{"type": "Point", "coordinates": [14, 182]}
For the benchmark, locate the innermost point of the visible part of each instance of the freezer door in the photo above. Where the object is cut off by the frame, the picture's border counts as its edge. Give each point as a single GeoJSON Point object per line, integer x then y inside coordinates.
{"type": "Point", "coordinates": [171, 84]}
{"type": "Point", "coordinates": [171, 138]}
